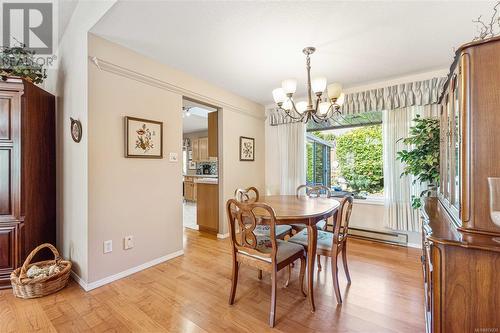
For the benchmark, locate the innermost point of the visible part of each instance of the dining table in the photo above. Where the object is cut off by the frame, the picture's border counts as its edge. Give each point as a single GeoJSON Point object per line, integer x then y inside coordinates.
{"type": "Point", "coordinates": [301, 209]}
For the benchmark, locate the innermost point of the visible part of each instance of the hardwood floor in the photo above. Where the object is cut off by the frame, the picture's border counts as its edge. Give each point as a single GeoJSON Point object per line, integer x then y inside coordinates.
{"type": "Point", "coordinates": [190, 294]}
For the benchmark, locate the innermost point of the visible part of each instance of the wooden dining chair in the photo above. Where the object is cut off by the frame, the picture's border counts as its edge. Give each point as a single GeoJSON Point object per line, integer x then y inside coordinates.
{"type": "Point", "coordinates": [264, 253]}
{"type": "Point", "coordinates": [313, 191]}
{"type": "Point", "coordinates": [331, 244]}
{"type": "Point", "coordinates": [251, 194]}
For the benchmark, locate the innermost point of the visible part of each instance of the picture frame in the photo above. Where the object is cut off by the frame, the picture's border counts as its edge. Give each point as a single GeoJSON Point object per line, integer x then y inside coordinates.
{"type": "Point", "coordinates": [247, 149]}
{"type": "Point", "coordinates": [191, 165]}
{"type": "Point", "coordinates": [143, 138]}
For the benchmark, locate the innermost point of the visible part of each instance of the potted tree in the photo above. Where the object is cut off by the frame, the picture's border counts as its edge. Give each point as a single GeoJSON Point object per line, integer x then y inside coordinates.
{"type": "Point", "coordinates": [422, 158]}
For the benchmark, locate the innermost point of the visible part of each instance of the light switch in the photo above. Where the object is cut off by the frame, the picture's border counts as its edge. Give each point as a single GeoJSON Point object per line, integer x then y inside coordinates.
{"type": "Point", "coordinates": [172, 157]}
{"type": "Point", "coordinates": [108, 246]}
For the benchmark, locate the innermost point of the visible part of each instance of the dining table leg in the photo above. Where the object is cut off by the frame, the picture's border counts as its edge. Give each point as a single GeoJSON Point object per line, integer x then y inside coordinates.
{"type": "Point", "coordinates": [312, 239]}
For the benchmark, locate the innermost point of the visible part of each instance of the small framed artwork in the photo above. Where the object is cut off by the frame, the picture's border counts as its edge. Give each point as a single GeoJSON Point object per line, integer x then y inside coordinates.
{"type": "Point", "coordinates": [191, 165]}
{"type": "Point", "coordinates": [190, 155]}
{"type": "Point", "coordinates": [143, 138]}
{"type": "Point", "coordinates": [247, 149]}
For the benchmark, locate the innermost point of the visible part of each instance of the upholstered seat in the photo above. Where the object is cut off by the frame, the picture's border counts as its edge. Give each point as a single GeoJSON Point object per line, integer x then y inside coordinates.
{"type": "Point", "coordinates": [263, 230]}
{"type": "Point", "coordinates": [285, 249]}
{"type": "Point", "coordinates": [321, 225]}
{"type": "Point", "coordinates": [325, 239]}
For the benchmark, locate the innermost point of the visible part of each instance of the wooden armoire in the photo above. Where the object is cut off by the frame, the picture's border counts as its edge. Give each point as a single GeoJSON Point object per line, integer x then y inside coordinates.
{"type": "Point", "coordinates": [27, 172]}
{"type": "Point", "coordinates": [461, 243]}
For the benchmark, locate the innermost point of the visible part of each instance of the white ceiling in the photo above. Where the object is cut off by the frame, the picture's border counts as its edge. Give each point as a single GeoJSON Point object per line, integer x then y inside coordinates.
{"type": "Point", "coordinates": [249, 47]}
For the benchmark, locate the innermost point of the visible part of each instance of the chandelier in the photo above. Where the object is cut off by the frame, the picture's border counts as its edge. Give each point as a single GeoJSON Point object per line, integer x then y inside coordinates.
{"type": "Point", "coordinates": [318, 110]}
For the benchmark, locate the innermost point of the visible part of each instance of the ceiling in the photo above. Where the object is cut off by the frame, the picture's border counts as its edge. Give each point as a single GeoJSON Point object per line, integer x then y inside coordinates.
{"type": "Point", "coordinates": [249, 47]}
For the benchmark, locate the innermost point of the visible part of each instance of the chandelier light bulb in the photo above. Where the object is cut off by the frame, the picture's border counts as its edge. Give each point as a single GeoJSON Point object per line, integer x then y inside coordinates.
{"type": "Point", "coordinates": [301, 106]}
{"type": "Point", "coordinates": [287, 104]}
{"type": "Point", "coordinates": [279, 95]}
{"type": "Point", "coordinates": [334, 90]}
{"type": "Point", "coordinates": [289, 86]}
{"type": "Point", "coordinates": [340, 101]}
{"type": "Point", "coordinates": [318, 85]}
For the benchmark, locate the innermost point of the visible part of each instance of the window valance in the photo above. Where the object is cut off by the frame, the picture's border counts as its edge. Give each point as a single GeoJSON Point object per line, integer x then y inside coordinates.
{"type": "Point", "coordinates": [419, 93]}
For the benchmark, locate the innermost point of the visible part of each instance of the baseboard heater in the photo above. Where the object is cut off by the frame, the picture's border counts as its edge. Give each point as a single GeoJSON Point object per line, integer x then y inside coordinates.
{"type": "Point", "coordinates": [379, 236]}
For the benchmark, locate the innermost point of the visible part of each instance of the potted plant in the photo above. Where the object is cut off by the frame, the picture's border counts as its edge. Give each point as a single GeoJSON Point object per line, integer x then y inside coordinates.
{"type": "Point", "coordinates": [422, 159]}
{"type": "Point", "coordinates": [18, 61]}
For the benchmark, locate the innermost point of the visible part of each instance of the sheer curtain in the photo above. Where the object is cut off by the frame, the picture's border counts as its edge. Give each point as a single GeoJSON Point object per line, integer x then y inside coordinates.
{"type": "Point", "coordinates": [399, 215]}
{"type": "Point", "coordinates": [285, 157]}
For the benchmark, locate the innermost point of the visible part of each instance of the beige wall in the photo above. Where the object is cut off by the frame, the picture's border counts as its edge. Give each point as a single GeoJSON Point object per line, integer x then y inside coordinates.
{"type": "Point", "coordinates": [236, 173]}
{"type": "Point", "coordinates": [143, 197]}
{"type": "Point", "coordinates": [69, 83]}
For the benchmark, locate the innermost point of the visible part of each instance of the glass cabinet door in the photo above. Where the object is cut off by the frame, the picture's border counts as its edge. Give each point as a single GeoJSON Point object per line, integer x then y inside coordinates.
{"type": "Point", "coordinates": [449, 127]}
{"type": "Point", "coordinates": [456, 142]}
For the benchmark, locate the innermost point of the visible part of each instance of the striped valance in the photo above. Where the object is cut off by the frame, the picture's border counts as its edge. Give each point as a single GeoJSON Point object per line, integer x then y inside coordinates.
{"type": "Point", "coordinates": [417, 93]}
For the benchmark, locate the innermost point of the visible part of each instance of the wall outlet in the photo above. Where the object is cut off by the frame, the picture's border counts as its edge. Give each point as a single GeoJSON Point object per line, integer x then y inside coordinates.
{"type": "Point", "coordinates": [173, 157]}
{"type": "Point", "coordinates": [128, 242]}
{"type": "Point", "coordinates": [108, 246]}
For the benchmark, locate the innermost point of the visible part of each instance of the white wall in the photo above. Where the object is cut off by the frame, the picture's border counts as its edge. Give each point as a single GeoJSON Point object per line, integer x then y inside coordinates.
{"type": "Point", "coordinates": [143, 197]}
{"type": "Point", "coordinates": [69, 84]}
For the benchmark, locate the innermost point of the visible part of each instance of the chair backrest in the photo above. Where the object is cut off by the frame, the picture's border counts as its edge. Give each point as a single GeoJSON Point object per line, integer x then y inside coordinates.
{"type": "Point", "coordinates": [314, 191]}
{"type": "Point", "coordinates": [247, 216]}
{"type": "Point", "coordinates": [247, 195]}
{"type": "Point", "coordinates": [343, 217]}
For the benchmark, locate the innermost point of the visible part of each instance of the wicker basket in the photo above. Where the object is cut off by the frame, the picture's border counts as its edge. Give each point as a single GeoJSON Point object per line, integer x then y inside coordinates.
{"type": "Point", "coordinates": [25, 287]}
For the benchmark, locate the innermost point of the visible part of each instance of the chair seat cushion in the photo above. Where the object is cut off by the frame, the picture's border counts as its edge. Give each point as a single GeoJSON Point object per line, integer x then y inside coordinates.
{"type": "Point", "coordinates": [263, 230]}
{"type": "Point", "coordinates": [285, 249]}
{"type": "Point", "coordinates": [325, 239]}
{"type": "Point", "coordinates": [320, 225]}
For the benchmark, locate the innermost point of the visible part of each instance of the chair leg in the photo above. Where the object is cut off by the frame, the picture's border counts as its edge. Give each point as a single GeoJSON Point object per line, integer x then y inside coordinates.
{"type": "Point", "coordinates": [318, 257]}
{"type": "Point", "coordinates": [303, 266]}
{"type": "Point", "coordinates": [335, 277]}
{"type": "Point", "coordinates": [274, 288]}
{"type": "Point", "coordinates": [260, 274]}
{"type": "Point", "coordinates": [289, 275]}
{"type": "Point", "coordinates": [344, 261]}
{"type": "Point", "coordinates": [234, 282]}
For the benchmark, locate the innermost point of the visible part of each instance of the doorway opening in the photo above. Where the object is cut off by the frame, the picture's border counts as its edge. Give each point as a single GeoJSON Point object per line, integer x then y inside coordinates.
{"type": "Point", "coordinates": [200, 166]}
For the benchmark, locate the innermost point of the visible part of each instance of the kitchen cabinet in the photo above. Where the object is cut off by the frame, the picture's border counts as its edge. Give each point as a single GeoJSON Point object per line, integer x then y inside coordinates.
{"type": "Point", "coordinates": [207, 208]}
{"type": "Point", "coordinates": [190, 189]}
{"type": "Point", "coordinates": [203, 149]}
{"type": "Point", "coordinates": [200, 149]}
{"type": "Point", "coordinates": [212, 135]}
{"type": "Point", "coordinates": [195, 146]}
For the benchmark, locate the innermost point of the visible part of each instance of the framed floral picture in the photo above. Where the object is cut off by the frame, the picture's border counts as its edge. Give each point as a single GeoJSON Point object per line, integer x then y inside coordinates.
{"type": "Point", "coordinates": [143, 138]}
{"type": "Point", "coordinates": [247, 149]}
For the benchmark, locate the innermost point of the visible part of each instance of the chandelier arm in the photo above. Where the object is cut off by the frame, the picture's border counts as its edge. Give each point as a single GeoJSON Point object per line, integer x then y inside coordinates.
{"type": "Point", "coordinates": [290, 115]}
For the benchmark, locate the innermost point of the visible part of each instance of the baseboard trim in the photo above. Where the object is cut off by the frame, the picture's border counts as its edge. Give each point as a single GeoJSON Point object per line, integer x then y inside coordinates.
{"type": "Point", "coordinates": [99, 283]}
{"type": "Point", "coordinates": [222, 236]}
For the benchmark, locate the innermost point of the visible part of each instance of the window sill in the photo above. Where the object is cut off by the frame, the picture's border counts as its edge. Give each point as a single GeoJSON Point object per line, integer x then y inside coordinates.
{"type": "Point", "coordinates": [370, 201]}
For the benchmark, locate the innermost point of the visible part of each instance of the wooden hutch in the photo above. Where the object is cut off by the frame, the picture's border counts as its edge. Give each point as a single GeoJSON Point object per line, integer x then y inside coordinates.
{"type": "Point", "coordinates": [27, 172]}
{"type": "Point", "coordinates": [461, 244]}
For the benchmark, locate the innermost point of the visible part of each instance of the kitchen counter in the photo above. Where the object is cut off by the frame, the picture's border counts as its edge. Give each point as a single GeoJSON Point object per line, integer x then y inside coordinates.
{"type": "Point", "coordinates": [204, 180]}
{"type": "Point", "coordinates": [203, 176]}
